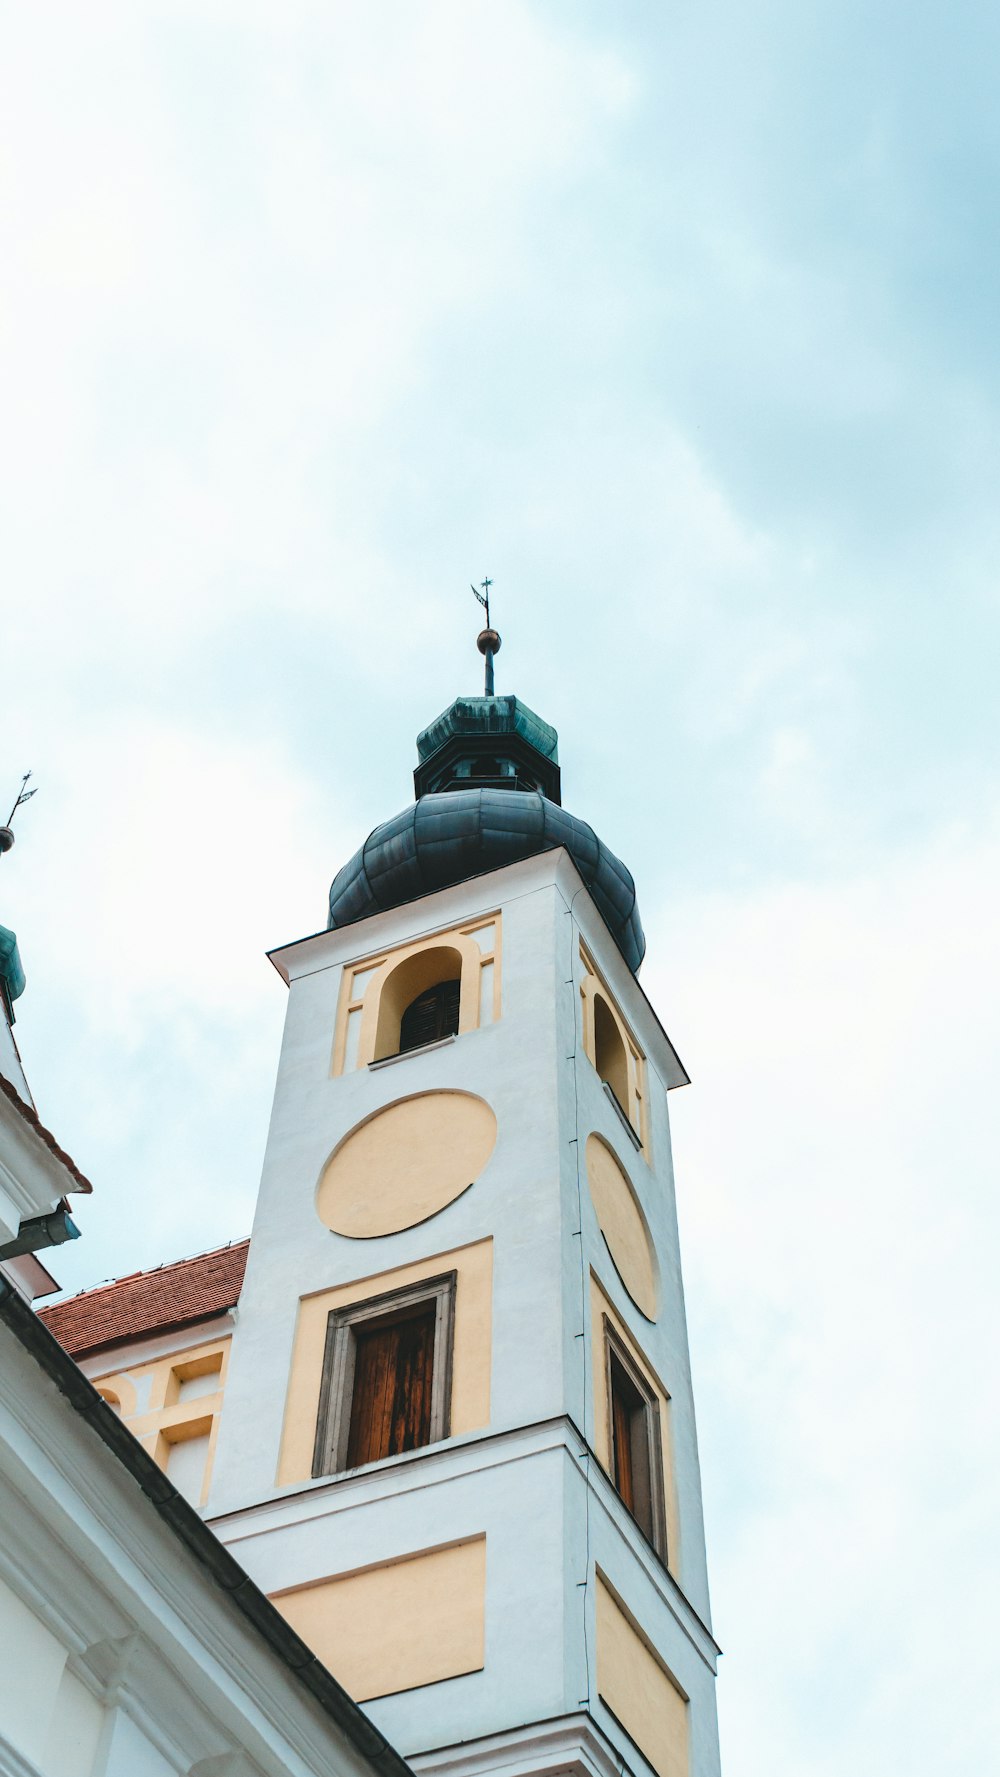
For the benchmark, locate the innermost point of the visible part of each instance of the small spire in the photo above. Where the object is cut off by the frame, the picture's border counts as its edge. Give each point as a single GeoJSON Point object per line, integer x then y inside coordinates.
{"type": "Point", "coordinates": [488, 640]}
{"type": "Point", "coordinates": [23, 795]}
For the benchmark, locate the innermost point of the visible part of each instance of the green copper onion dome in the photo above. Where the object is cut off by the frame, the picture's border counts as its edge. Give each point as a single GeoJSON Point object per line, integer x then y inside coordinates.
{"type": "Point", "coordinates": [488, 794]}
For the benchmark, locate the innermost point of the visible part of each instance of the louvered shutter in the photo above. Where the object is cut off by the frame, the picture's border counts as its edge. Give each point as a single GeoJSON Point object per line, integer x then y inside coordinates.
{"type": "Point", "coordinates": [432, 1015]}
{"type": "Point", "coordinates": [450, 993]}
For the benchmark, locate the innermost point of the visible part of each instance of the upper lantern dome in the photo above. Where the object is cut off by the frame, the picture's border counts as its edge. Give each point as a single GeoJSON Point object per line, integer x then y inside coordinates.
{"type": "Point", "coordinates": [494, 741]}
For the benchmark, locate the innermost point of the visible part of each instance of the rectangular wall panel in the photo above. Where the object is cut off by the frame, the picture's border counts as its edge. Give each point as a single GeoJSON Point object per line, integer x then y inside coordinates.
{"type": "Point", "coordinates": [393, 1627]}
{"type": "Point", "coordinates": [638, 1690]}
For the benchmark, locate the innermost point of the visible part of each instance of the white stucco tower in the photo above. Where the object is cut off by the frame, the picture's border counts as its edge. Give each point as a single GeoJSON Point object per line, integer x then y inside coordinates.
{"type": "Point", "coordinates": [458, 1442]}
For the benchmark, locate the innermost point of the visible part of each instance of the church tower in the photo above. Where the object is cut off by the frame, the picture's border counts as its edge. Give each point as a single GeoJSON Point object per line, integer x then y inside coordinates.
{"type": "Point", "coordinates": [458, 1443]}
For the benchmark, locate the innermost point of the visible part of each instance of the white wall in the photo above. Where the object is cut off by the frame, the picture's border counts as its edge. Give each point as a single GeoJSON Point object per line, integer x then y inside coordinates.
{"type": "Point", "coordinates": [10, 1060]}
{"type": "Point", "coordinates": [119, 1655]}
{"type": "Point", "coordinates": [32, 1179]}
{"type": "Point", "coordinates": [46, 1713]}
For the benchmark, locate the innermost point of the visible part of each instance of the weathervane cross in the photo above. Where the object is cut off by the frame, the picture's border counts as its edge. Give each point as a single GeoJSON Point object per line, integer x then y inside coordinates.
{"type": "Point", "coordinates": [23, 795]}
{"type": "Point", "coordinates": [488, 642]}
{"type": "Point", "coordinates": [484, 596]}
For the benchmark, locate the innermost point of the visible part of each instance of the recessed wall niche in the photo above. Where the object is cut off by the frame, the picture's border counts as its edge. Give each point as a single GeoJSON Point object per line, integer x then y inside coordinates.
{"type": "Point", "coordinates": [405, 1163]}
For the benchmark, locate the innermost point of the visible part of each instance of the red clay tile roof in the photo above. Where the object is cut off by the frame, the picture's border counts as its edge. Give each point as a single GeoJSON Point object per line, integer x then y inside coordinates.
{"type": "Point", "coordinates": [149, 1301]}
{"type": "Point", "coordinates": [31, 1116]}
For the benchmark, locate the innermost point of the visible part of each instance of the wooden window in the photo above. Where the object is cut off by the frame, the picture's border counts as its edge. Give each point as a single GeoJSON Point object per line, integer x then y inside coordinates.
{"type": "Point", "coordinates": [431, 1016]}
{"type": "Point", "coordinates": [636, 1451]}
{"type": "Point", "coordinates": [386, 1384]}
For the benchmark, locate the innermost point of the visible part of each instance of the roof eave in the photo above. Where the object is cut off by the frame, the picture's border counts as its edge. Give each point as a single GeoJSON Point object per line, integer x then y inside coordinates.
{"type": "Point", "coordinates": [193, 1533]}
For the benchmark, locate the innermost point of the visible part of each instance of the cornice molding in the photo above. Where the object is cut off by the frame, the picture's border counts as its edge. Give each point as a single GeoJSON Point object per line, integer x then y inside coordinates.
{"type": "Point", "coordinates": [474, 1452]}
{"type": "Point", "coordinates": [568, 1744]}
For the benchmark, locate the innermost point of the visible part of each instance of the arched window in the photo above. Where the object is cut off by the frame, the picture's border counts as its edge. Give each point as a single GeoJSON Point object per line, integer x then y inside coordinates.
{"type": "Point", "coordinates": [113, 1401]}
{"type": "Point", "coordinates": [431, 1016]}
{"type": "Point", "coordinates": [419, 1001]}
{"type": "Point", "coordinates": [610, 1045]}
{"type": "Point", "coordinates": [610, 1057]}
{"type": "Point", "coordinates": [455, 976]}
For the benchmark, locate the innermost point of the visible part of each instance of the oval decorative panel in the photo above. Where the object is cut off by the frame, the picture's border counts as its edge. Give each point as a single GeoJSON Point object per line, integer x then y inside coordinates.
{"type": "Point", "coordinates": [405, 1163]}
{"type": "Point", "coordinates": [622, 1224]}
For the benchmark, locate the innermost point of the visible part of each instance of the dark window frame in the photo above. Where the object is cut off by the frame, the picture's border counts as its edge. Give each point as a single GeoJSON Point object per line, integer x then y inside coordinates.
{"type": "Point", "coordinates": [336, 1401]}
{"type": "Point", "coordinates": [645, 1454]}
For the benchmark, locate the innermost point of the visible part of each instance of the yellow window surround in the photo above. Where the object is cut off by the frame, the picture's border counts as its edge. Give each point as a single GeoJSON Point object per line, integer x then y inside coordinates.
{"type": "Point", "coordinates": [183, 1401]}
{"type": "Point", "coordinates": [376, 989]}
{"type": "Point", "coordinates": [471, 1353]}
{"type": "Point", "coordinates": [600, 1008]}
{"type": "Point", "coordinates": [603, 1314]}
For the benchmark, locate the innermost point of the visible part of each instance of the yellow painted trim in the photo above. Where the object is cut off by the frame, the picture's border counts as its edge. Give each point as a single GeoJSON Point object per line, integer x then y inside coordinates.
{"type": "Point", "coordinates": [179, 1431]}
{"type": "Point", "coordinates": [181, 1413]}
{"type": "Point", "coordinates": [385, 963]}
{"type": "Point", "coordinates": [205, 1363]}
{"type": "Point", "coordinates": [471, 1361]}
{"type": "Point", "coordinates": [494, 956]}
{"type": "Point", "coordinates": [408, 973]}
{"type": "Point", "coordinates": [348, 1002]}
{"type": "Point", "coordinates": [165, 1413]}
{"type": "Point", "coordinates": [602, 1308]}
{"type": "Point", "coordinates": [123, 1389]}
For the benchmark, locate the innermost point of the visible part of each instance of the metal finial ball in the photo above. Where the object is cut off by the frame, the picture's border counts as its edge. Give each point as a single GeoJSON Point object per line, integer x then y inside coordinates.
{"type": "Point", "coordinates": [6, 839]}
{"type": "Point", "coordinates": [488, 641]}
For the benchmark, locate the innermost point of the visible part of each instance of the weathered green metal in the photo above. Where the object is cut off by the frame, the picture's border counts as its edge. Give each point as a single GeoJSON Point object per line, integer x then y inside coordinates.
{"type": "Point", "coordinates": [41, 1231]}
{"type": "Point", "coordinates": [448, 838]}
{"type": "Point", "coordinates": [493, 740]}
{"type": "Point", "coordinates": [489, 715]}
{"type": "Point", "coordinates": [488, 794]}
{"type": "Point", "coordinates": [10, 964]}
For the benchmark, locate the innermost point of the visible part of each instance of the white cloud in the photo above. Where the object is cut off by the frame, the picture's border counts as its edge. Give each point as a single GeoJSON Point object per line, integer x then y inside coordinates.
{"type": "Point", "coordinates": [236, 241]}
{"type": "Point", "coordinates": [837, 1185]}
{"type": "Point", "coordinates": [163, 856]}
{"type": "Point", "coordinates": [164, 863]}
{"type": "Point", "coordinates": [311, 313]}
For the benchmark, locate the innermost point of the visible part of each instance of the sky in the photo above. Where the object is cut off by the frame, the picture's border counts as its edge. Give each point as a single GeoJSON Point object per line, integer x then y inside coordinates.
{"type": "Point", "coordinates": [680, 323]}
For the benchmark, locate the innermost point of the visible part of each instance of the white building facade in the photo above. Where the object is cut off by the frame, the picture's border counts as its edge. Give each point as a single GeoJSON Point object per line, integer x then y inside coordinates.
{"type": "Point", "coordinates": [445, 1419]}
{"type": "Point", "coordinates": [131, 1645]}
